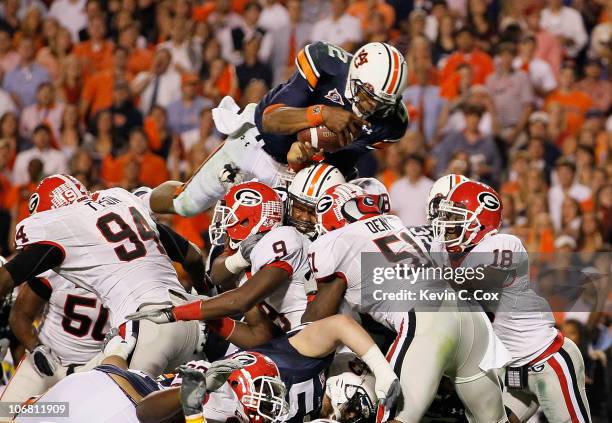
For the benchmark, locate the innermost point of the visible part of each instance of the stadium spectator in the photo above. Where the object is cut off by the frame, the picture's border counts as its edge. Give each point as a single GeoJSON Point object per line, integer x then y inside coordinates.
{"type": "Point", "coordinates": [9, 132]}
{"type": "Point", "coordinates": [53, 160]}
{"type": "Point", "coordinates": [274, 17]}
{"type": "Point", "coordinates": [46, 110]}
{"type": "Point", "coordinates": [232, 39]}
{"type": "Point", "coordinates": [98, 89]}
{"type": "Point", "coordinates": [186, 53]}
{"type": "Point", "coordinates": [600, 90]}
{"type": "Point", "coordinates": [479, 96]}
{"type": "Point", "coordinates": [184, 114]}
{"type": "Point", "coordinates": [481, 62]}
{"type": "Point", "coordinates": [548, 46]}
{"type": "Point", "coordinates": [339, 28]}
{"type": "Point", "coordinates": [571, 217]}
{"type": "Point", "coordinates": [483, 24]}
{"type": "Point", "coordinates": [511, 92]}
{"type": "Point", "coordinates": [566, 185]}
{"type": "Point", "coordinates": [125, 115]}
{"type": "Point", "coordinates": [288, 41]}
{"type": "Point", "coordinates": [160, 85]}
{"type": "Point", "coordinates": [574, 102]}
{"type": "Point", "coordinates": [23, 81]}
{"type": "Point", "coordinates": [152, 170]}
{"type": "Point", "coordinates": [9, 21]}
{"type": "Point", "coordinates": [540, 73]}
{"type": "Point", "coordinates": [139, 59]}
{"type": "Point", "coordinates": [93, 9]}
{"type": "Point", "coordinates": [57, 49]}
{"type": "Point", "coordinates": [96, 53]}
{"type": "Point", "coordinates": [376, 32]}
{"type": "Point", "coordinates": [364, 9]}
{"type": "Point", "coordinates": [415, 185]}
{"type": "Point", "coordinates": [567, 24]}
{"type": "Point", "coordinates": [419, 55]}
{"type": "Point", "coordinates": [251, 67]}
{"type": "Point", "coordinates": [428, 104]}
{"type": "Point", "coordinates": [444, 44]}
{"type": "Point", "coordinates": [158, 134]}
{"type": "Point", "coordinates": [9, 59]}
{"type": "Point", "coordinates": [483, 154]}
{"type": "Point", "coordinates": [71, 15]}
{"type": "Point", "coordinates": [71, 133]}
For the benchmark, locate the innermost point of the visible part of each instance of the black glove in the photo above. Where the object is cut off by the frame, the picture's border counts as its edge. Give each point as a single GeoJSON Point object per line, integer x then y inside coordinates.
{"type": "Point", "coordinates": [45, 361]}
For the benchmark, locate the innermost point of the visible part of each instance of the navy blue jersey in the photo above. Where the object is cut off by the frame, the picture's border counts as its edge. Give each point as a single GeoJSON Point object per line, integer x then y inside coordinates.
{"type": "Point", "coordinates": [142, 383]}
{"type": "Point", "coordinates": [304, 377]}
{"type": "Point", "coordinates": [321, 79]}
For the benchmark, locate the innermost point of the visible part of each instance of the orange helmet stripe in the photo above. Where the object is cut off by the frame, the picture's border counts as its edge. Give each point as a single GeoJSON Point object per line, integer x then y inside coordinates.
{"type": "Point", "coordinates": [315, 178]}
{"type": "Point", "coordinates": [395, 78]}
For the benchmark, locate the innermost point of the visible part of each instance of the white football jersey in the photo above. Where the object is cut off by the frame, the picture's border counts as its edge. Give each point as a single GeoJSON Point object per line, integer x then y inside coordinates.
{"type": "Point", "coordinates": [286, 248]}
{"type": "Point", "coordinates": [220, 406]}
{"type": "Point", "coordinates": [339, 254]}
{"type": "Point", "coordinates": [111, 247]}
{"type": "Point", "coordinates": [74, 323]}
{"type": "Point", "coordinates": [524, 324]}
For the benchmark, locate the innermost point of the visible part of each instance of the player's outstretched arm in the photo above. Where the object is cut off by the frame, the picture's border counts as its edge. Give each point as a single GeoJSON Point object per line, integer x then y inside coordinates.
{"type": "Point", "coordinates": [257, 329]}
{"type": "Point", "coordinates": [322, 337]}
{"type": "Point", "coordinates": [24, 312]}
{"type": "Point", "coordinates": [284, 120]}
{"type": "Point", "coordinates": [327, 301]}
{"type": "Point", "coordinates": [230, 303]}
{"type": "Point", "coordinates": [162, 196]}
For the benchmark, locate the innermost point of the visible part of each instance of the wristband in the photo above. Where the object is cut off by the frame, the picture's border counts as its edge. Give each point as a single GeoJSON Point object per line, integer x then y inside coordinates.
{"type": "Point", "coordinates": [189, 311]}
{"type": "Point", "coordinates": [236, 263]}
{"type": "Point", "coordinates": [314, 115]}
{"type": "Point", "coordinates": [224, 326]}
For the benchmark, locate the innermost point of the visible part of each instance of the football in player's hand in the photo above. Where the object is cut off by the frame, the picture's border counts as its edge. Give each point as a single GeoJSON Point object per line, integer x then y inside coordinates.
{"type": "Point", "coordinates": [320, 137]}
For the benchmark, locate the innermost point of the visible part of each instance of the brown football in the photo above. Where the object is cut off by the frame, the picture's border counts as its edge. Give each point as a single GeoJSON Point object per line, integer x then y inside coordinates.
{"type": "Point", "coordinates": [320, 137]}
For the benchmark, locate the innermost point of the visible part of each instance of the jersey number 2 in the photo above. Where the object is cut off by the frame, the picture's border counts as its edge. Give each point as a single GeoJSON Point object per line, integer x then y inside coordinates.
{"type": "Point", "coordinates": [126, 233]}
{"type": "Point", "coordinates": [83, 321]}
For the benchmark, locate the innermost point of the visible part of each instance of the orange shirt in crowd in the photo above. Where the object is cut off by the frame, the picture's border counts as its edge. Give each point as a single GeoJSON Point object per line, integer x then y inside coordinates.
{"type": "Point", "coordinates": [192, 227]}
{"type": "Point", "coordinates": [388, 177]}
{"type": "Point", "coordinates": [153, 169]}
{"type": "Point", "coordinates": [98, 90]}
{"type": "Point", "coordinates": [481, 62]}
{"type": "Point", "coordinates": [94, 59]}
{"type": "Point", "coordinates": [19, 197]}
{"type": "Point", "coordinates": [140, 60]}
{"type": "Point", "coordinates": [362, 11]}
{"type": "Point", "coordinates": [575, 103]}
{"type": "Point", "coordinates": [449, 88]}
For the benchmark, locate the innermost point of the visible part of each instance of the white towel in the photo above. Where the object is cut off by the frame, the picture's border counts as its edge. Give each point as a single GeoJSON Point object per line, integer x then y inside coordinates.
{"type": "Point", "coordinates": [230, 121]}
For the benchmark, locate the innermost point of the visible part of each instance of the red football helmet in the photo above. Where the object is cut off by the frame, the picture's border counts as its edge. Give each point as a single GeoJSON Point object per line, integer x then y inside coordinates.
{"type": "Point", "coordinates": [259, 388]}
{"type": "Point", "coordinates": [247, 208]}
{"type": "Point", "coordinates": [57, 191]}
{"type": "Point", "coordinates": [344, 204]}
{"type": "Point", "coordinates": [471, 212]}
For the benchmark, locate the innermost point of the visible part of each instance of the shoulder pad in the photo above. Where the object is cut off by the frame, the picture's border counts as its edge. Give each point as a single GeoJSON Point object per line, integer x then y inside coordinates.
{"type": "Point", "coordinates": [319, 59]}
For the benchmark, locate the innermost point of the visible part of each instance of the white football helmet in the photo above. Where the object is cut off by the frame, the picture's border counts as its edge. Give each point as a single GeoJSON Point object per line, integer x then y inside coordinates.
{"type": "Point", "coordinates": [377, 190]}
{"type": "Point", "coordinates": [439, 190]}
{"type": "Point", "coordinates": [351, 390]}
{"type": "Point", "coordinates": [380, 72]}
{"type": "Point", "coordinates": [308, 185]}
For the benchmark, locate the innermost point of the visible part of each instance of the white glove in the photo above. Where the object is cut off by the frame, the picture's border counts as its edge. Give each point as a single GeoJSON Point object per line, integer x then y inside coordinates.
{"type": "Point", "coordinates": [159, 314]}
{"type": "Point", "coordinates": [45, 361]}
{"type": "Point", "coordinates": [120, 347]}
{"type": "Point", "coordinates": [219, 371]}
{"type": "Point", "coordinates": [193, 390]}
{"type": "Point", "coordinates": [387, 385]}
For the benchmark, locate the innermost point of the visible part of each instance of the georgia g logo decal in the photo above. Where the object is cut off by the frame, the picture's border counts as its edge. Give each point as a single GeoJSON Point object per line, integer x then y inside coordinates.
{"type": "Point", "coordinates": [489, 201]}
{"type": "Point", "coordinates": [324, 204]}
{"type": "Point", "coordinates": [248, 197]}
{"type": "Point", "coordinates": [33, 203]}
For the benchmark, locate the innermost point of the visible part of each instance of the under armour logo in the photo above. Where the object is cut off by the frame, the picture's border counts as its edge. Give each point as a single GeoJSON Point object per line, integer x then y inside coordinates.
{"type": "Point", "coordinates": [366, 129]}
{"type": "Point", "coordinates": [362, 58]}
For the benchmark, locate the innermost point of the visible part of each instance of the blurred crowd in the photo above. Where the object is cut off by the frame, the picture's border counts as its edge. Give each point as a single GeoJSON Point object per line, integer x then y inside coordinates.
{"type": "Point", "coordinates": [515, 93]}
